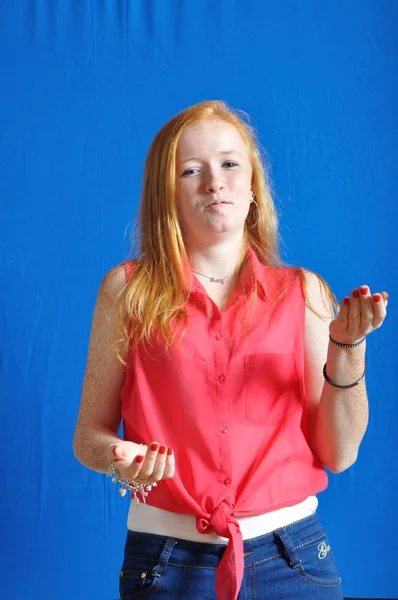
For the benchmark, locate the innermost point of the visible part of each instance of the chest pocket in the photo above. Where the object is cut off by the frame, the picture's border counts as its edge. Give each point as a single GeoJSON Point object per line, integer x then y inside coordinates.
{"type": "Point", "coordinates": [272, 387]}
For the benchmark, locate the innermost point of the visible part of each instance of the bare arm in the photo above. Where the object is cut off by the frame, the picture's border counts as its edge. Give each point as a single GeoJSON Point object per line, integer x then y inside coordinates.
{"type": "Point", "coordinates": [99, 415]}
{"type": "Point", "coordinates": [338, 418]}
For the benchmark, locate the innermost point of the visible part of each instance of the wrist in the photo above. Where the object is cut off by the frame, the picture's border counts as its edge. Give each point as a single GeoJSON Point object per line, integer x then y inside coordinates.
{"type": "Point", "coordinates": [346, 344]}
{"type": "Point", "coordinates": [345, 364]}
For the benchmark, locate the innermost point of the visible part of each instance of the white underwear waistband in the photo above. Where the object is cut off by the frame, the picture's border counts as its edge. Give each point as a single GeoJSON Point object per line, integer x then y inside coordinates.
{"type": "Point", "coordinates": [149, 519]}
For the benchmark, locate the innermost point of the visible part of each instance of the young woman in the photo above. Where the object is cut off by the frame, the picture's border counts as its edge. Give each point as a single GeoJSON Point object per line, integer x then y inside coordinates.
{"type": "Point", "coordinates": [238, 379]}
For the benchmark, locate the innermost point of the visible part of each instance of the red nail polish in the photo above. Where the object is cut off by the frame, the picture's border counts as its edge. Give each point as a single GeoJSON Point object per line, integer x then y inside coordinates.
{"type": "Point", "coordinates": [169, 451]}
{"type": "Point", "coordinates": [387, 295]}
{"type": "Point", "coordinates": [377, 298]}
{"type": "Point", "coordinates": [154, 447]}
{"type": "Point", "coordinates": [347, 301]}
{"type": "Point", "coordinates": [355, 294]}
{"type": "Point", "coordinates": [364, 290]}
{"type": "Point", "coordinates": [139, 459]}
{"type": "Point", "coordinates": [162, 449]}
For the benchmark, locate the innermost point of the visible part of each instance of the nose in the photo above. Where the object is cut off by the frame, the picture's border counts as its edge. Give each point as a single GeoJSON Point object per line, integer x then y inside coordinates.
{"type": "Point", "coordinates": [214, 183]}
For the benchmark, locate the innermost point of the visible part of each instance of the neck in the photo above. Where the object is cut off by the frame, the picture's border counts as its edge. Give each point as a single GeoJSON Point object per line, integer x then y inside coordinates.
{"type": "Point", "coordinates": [216, 260]}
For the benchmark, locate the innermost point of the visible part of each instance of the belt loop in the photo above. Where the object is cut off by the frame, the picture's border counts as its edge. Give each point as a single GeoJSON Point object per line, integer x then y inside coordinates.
{"type": "Point", "coordinates": [288, 545]}
{"type": "Point", "coordinates": [159, 569]}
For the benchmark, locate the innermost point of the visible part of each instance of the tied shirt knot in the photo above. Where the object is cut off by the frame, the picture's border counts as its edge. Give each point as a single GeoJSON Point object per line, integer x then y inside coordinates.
{"type": "Point", "coordinates": [230, 570]}
{"type": "Point", "coordinates": [220, 520]}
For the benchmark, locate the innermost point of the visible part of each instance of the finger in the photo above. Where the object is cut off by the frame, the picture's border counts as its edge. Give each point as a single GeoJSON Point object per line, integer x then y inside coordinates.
{"type": "Point", "coordinates": [146, 470]}
{"type": "Point", "coordinates": [124, 452]}
{"type": "Point", "coordinates": [344, 312]}
{"type": "Point", "coordinates": [366, 310]}
{"type": "Point", "coordinates": [379, 310]}
{"type": "Point", "coordinates": [169, 470]}
{"type": "Point", "coordinates": [115, 453]}
{"type": "Point", "coordinates": [134, 468]}
{"type": "Point", "coordinates": [386, 296]}
{"type": "Point", "coordinates": [160, 464]}
{"type": "Point", "coordinates": [110, 452]}
{"type": "Point", "coordinates": [354, 314]}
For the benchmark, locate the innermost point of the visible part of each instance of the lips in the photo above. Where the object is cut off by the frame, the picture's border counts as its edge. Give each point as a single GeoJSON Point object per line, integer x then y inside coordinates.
{"type": "Point", "coordinates": [218, 202]}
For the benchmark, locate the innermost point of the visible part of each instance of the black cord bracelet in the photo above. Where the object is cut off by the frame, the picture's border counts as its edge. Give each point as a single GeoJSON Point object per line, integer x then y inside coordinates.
{"type": "Point", "coordinates": [350, 385]}
{"type": "Point", "coordinates": [340, 345]}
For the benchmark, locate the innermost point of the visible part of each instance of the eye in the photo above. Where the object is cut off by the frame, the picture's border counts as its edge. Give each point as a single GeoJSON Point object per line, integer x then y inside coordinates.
{"type": "Point", "coordinates": [228, 163]}
{"type": "Point", "coordinates": [189, 172]}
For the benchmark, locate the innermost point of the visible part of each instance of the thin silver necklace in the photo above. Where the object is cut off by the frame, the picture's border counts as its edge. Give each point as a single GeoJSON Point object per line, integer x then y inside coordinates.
{"type": "Point", "coordinates": [213, 279]}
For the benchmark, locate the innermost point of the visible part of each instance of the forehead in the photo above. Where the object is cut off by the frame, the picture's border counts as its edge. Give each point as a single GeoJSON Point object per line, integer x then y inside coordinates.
{"type": "Point", "coordinates": [209, 136]}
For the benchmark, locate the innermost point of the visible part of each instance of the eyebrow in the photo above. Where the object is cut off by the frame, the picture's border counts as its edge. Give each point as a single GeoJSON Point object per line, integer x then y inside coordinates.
{"type": "Point", "coordinates": [223, 152]}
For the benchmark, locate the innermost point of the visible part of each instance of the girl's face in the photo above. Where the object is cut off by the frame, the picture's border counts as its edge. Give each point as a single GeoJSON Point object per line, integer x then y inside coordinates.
{"type": "Point", "coordinates": [213, 180]}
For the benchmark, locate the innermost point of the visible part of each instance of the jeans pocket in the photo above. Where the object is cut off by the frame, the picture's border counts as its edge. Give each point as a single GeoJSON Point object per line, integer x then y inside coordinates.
{"type": "Point", "coordinates": [312, 560]}
{"type": "Point", "coordinates": [143, 568]}
{"type": "Point", "coordinates": [136, 581]}
{"type": "Point", "coordinates": [272, 387]}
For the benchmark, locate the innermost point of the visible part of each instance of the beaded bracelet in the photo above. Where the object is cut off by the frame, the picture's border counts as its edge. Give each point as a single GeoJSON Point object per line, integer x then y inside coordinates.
{"type": "Point", "coordinates": [350, 385]}
{"type": "Point", "coordinates": [341, 345]}
{"type": "Point", "coordinates": [133, 486]}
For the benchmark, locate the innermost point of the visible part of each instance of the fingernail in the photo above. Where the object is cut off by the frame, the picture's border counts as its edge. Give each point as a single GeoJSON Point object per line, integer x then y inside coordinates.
{"type": "Point", "coordinates": [355, 294]}
{"type": "Point", "coordinates": [154, 447]}
{"type": "Point", "coordinates": [139, 459]}
{"type": "Point", "coordinates": [346, 301]}
{"type": "Point", "coordinates": [169, 451]}
{"type": "Point", "coordinates": [387, 295]}
{"type": "Point", "coordinates": [162, 449]}
{"type": "Point", "coordinates": [364, 290]}
{"type": "Point", "coordinates": [377, 297]}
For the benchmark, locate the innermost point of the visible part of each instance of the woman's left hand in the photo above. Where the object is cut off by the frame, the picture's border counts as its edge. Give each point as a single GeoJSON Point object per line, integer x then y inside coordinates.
{"type": "Point", "coordinates": [359, 315]}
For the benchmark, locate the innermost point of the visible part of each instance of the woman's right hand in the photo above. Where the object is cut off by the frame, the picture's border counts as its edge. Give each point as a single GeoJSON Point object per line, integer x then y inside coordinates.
{"type": "Point", "coordinates": [145, 464]}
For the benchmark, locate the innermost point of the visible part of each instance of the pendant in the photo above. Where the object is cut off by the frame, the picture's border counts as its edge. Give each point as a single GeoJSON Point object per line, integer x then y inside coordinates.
{"type": "Point", "coordinates": [214, 280]}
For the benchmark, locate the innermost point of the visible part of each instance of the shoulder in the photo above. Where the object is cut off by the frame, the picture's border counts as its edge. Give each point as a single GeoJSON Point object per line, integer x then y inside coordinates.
{"type": "Point", "coordinates": [318, 294]}
{"type": "Point", "coordinates": [283, 280]}
{"type": "Point", "coordinates": [280, 275]}
{"type": "Point", "coordinates": [115, 280]}
{"type": "Point", "coordinates": [311, 281]}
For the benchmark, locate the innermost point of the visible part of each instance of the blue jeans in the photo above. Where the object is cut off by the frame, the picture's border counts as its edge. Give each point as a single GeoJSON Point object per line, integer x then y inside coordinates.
{"type": "Point", "coordinates": [292, 563]}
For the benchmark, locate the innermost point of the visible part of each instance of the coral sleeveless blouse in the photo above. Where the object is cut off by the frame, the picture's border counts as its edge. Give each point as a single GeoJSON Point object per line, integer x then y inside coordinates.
{"type": "Point", "coordinates": [230, 400]}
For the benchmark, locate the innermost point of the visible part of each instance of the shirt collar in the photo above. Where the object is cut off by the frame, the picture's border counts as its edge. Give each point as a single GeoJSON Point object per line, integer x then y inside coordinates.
{"type": "Point", "coordinates": [254, 275]}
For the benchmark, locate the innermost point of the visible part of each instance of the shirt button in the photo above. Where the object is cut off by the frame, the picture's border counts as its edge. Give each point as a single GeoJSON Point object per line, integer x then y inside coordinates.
{"type": "Point", "coordinates": [227, 481]}
{"type": "Point", "coordinates": [223, 429]}
{"type": "Point", "coordinates": [219, 336]}
{"type": "Point", "coordinates": [221, 378]}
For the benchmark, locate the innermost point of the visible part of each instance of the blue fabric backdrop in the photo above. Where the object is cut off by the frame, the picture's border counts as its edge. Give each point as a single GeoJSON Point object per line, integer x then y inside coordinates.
{"type": "Point", "coordinates": [85, 86]}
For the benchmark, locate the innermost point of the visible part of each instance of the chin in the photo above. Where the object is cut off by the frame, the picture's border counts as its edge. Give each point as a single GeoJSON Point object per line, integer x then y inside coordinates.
{"type": "Point", "coordinates": [226, 227]}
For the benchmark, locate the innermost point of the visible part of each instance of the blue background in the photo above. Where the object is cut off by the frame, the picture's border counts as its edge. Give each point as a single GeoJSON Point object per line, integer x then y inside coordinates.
{"type": "Point", "coordinates": [86, 84]}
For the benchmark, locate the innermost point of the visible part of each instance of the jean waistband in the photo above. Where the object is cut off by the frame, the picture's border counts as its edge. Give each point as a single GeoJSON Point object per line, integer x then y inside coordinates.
{"type": "Point", "coordinates": [264, 546]}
